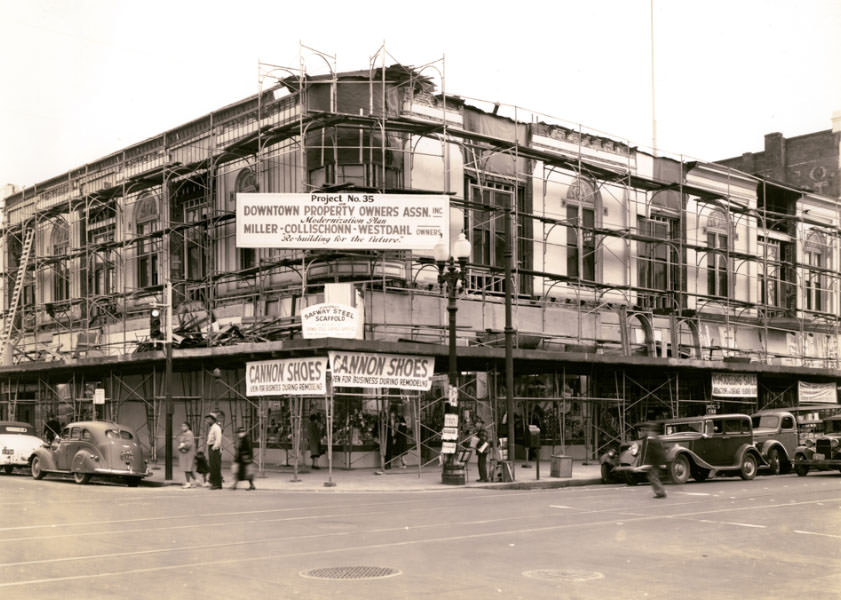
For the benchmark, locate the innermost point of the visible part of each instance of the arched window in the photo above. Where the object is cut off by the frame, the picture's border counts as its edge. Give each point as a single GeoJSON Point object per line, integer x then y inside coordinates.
{"type": "Point", "coordinates": [718, 244]}
{"type": "Point", "coordinates": [147, 222]}
{"type": "Point", "coordinates": [581, 203]}
{"type": "Point", "coordinates": [246, 183]}
{"type": "Point", "coordinates": [816, 257]}
{"type": "Point", "coordinates": [60, 249]}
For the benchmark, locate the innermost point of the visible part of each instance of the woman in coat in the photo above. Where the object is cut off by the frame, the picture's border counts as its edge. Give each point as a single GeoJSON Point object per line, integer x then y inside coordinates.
{"type": "Point", "coordinates": [314, 439]}
{"type": "Point", "coordinates": [187, 454]}
{"type": "Point", "coordinates": [244, 459]}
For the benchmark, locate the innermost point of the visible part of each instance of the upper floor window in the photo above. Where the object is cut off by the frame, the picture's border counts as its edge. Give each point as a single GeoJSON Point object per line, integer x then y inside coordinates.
{"type": "Point", "coordinates": [147, 222]}
{"type": "Point", "coordinates": [246, 183]}
{"type": "Point", "coordinates": [355, 156]}
{"type": "Point", "coordinates": [60, 250]}
{"type": "Point", "coordinates": [816, 257]}
{"type": "Point", "coordinates": [581, 201]}
{"type": "Point", "coordinates": [658, 251]}
{"type": "Point", "coordinates": [718, 254]}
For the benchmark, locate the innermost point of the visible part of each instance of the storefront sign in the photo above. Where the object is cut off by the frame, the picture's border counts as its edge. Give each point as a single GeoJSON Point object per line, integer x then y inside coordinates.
{"type": "Point", "coordinates": [330, 320]}
{"type": "Point", "coordinates": [816, 393]}
{"type": "Point", "coordinates": [290, 376]}
{"type": "Point", "coordinates": [369, 370]}
{"type": "Point", "coordinates": [342, 221]}
{"type": "Point", "coordinates": [734, 385]}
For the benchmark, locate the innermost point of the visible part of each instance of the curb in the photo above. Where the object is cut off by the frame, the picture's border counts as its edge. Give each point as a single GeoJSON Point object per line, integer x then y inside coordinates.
{"type": "Point", "coordinates": [547, 484]}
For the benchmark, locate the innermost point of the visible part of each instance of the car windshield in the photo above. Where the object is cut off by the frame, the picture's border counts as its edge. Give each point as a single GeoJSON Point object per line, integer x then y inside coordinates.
{"type": "Point", "coordinates": [694, 426]}
{"type": "Point", "coordinates": [767, 421]}
{"type": "Point", "coordinates": [115, 434]}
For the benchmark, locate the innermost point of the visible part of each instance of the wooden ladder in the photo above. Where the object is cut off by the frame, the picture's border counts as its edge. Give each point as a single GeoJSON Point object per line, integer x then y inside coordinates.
{"type": "Point", "coordinates": [19, 279]}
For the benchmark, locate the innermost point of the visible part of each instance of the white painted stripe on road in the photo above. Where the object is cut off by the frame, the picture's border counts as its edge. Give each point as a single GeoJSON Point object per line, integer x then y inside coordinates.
{"type": "Point", "coordinates": [693, 493]}
{"type": "Point", "coordinates": [733, 523]}
{"type": "Point", "coordinates": [829, 535]}
{"type": "Point", "coordinates": [323, 551]}
{"type": "Point", "coordinates": [559, 506]}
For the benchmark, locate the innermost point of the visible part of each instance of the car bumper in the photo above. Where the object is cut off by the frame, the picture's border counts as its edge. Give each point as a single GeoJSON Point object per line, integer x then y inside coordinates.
{"type": "Point", "coordinates": [121, 472]}
{"type": "Point", "coordinates": [15, 461]}
{"type": "Point", "coordinates": [822, 464]}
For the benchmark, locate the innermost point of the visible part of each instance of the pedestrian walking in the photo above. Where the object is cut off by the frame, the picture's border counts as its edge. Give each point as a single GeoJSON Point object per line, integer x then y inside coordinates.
{"type": "Point", "coordinates": [244, 460]}
{"type": "Point", "coordinates": [655, 457]}
{"type": "Point", "coordinates": [314, 439]}
{"type": "Point", "coordinates": [187, 454]}
{"type": "Point", "coordinates": [483, 448]}
{"type": "Point", "coordinates": [51, 428]}
{"type": "Point", "coordinates": [214, 450]}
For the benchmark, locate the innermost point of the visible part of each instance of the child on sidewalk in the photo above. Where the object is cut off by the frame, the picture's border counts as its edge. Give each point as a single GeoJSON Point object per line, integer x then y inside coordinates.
{"type": "Point", "coordinates": [202, 468]}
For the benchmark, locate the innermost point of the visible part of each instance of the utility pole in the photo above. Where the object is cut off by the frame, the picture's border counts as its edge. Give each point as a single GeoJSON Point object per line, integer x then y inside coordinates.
{"type": "Point", "coordinates": [168, 383]}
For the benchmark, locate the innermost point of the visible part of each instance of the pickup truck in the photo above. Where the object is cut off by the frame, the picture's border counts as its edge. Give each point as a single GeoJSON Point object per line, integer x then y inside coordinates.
{"type": "Point", "coordinates": [775, 435]}
{"type": "Point", "coordinates": [823, 453]}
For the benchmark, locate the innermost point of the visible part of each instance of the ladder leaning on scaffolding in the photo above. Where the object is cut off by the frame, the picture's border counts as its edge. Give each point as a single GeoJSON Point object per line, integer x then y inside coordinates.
{"type": "Point", "coordinates": [11, 315]}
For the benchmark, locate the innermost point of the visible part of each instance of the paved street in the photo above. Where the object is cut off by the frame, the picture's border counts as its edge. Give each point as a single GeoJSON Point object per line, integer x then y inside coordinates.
{"type": "Point", "coordinates": [769, 538]}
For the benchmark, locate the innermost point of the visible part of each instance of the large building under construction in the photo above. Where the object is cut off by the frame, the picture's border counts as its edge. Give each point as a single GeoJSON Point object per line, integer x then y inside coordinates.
{"type": "Point", "coordinates": [643, 286]}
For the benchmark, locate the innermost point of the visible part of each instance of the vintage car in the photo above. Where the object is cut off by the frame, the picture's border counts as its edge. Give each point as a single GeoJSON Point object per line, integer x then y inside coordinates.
{"type": "Point", "coordinates": [626, 461]}
{"type": "Point", "coordinates": [776, 437]}
{"type": "Point", "coordinates": [697, 447]}
{"type": "Point", "coordinates": [823, 453]}
{"type": "Point", "coordinates": [92, 449]}
{"type": "Point", "coordinates": [18, 441]}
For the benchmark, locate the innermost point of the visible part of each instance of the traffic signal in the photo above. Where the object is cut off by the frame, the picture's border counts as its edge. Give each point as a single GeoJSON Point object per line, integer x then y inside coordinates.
{"type": "Point", "coordinates": [155, 330]}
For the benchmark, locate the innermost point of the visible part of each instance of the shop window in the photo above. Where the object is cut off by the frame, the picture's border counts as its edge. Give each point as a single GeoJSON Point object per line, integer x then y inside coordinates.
{"type": "Point", "coordinates": [718, 263]}
{"type": "Point", "coordinates": [60, 249]}
{"type": "Point", "coordinates": [147, 222]}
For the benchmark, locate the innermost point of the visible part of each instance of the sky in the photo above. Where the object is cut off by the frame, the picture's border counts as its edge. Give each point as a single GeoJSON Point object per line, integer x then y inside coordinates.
{"type": "Point", "coordinates": [80, 79]}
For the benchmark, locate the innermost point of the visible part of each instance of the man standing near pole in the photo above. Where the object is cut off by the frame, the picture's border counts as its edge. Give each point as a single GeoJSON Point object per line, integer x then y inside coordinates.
{"type": "Point", "coordinates": [214, 450]}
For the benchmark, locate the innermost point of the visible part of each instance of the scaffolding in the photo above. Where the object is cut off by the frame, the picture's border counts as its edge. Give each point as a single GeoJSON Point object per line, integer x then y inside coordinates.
{"type": "Point", "coordinates": [645, 255]}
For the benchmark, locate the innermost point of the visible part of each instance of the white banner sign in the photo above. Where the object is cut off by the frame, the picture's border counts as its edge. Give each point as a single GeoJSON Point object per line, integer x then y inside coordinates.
{"type": "Point", "coordinates": [816, 393]}
{"type": "Point", "coordinates": [343, 221]}
{"type": "Point", "coordinates": [289, 376]}
{"type": "Point", "coordinates": [369, 370]}
{"type": "Point", "coordinates": [734, 385]}
{"type": "Point", "coordinates": [330, 320]}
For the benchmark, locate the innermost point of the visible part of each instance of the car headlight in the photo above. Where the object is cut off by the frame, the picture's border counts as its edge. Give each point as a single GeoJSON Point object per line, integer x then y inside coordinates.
{"type": "Point", "coordinates": [611, 453]}
{"type": "Point", "coordinates": [833, 443]}
{"type": "Point", "coordinates": [635, 449]}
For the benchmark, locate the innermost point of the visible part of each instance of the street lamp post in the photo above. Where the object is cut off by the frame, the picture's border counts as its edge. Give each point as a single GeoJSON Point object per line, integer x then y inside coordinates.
{"type": "Point", "coordinates": [452, 273]}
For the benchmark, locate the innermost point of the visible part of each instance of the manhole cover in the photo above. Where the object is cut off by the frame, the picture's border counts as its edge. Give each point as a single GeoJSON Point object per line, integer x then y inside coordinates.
{"type": "Point", "coordinates": [563, 575]}
{"type": "Point", "coordinates": [349, 573]}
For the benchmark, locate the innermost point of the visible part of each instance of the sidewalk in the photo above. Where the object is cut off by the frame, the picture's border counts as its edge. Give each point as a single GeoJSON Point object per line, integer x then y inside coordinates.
{"type": "Point", "coordinates": [279, 478]}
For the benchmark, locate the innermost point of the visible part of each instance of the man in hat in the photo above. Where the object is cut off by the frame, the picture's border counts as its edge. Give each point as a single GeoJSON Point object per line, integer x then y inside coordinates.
{"type": "Point", "coordinates": [214, 450]}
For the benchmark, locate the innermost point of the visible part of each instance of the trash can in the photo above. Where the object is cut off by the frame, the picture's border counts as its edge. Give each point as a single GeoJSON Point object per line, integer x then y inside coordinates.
{"type": "Point", "coordinates": [561, 466]}
{"type": "Point", "coordinates": [454, 474]}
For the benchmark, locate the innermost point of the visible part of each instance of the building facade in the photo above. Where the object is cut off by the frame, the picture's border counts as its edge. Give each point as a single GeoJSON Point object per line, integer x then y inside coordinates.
{"type": "Point", "coordinates": [642, 286]}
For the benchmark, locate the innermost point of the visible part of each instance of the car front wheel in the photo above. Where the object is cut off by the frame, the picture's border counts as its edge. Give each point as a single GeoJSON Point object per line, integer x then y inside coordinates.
{"type": "Point", "coordinates": [679, 469]}
{"type": "Point", "coordinates": [81, 478]}
{"type": "Point", "coordinates": [748, 469]}
{"type": "Point", "coordinates": [35, 468]}
{"type": "Point", "coordinates": [799, 467]}
{"type": "Point", "coordinates": [774, 462]}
